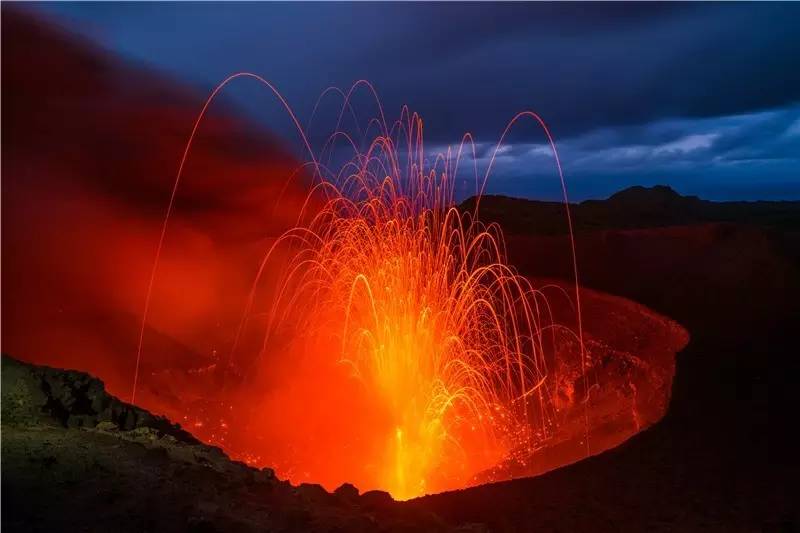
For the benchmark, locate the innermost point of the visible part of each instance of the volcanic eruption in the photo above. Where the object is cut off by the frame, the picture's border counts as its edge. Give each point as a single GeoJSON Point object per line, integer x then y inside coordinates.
{"type": "Point", "coordinates": [418, 356]}
{"type": "Point", "coordinates": [338, 316]}
{"type": "Point", "coordinates": [340, 320]}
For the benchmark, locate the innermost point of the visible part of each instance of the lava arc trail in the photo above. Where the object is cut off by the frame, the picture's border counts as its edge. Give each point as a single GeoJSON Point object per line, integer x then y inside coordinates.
{"type": "Point", "coordinates": [411, 354]}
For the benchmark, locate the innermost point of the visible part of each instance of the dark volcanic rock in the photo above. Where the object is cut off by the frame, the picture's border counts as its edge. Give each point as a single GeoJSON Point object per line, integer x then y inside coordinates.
{"type": "Point", "coordinates": [724, 457]}
{"type": "Point", "coordinates": [347, 492]}
{"type": "Point", "coordinates": [632, 208]}
{"type": "Point", "coordinates": [42, 395]}
{"type": "Point", "coordinates": [376, 499]}
{"type": "Point", "coordinates": [78, 459]}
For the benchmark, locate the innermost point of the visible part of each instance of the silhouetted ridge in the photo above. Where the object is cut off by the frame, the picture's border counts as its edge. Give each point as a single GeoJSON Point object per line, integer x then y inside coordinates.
{"type": "Point", "coordinates": [657, 193]}
{"type": "Point", "coordinates": [632, 208]}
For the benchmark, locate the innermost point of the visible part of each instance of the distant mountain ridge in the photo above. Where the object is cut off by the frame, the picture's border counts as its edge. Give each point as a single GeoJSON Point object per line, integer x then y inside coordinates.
{"type": "Point", "coordinates": [632, 208]}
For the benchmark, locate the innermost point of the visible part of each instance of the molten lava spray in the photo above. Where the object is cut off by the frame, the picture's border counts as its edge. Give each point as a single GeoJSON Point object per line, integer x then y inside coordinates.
{"type": "Point", "coordinates": [401, 347]}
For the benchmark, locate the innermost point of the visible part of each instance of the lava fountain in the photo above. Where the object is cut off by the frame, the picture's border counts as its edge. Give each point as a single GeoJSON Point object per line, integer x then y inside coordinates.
{"type": "Point", "coordinates": [413, 356]}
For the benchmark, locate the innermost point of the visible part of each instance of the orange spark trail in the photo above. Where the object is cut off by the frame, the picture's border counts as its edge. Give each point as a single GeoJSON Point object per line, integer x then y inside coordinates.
{"type": "Point", "coordinates": [412, 304]}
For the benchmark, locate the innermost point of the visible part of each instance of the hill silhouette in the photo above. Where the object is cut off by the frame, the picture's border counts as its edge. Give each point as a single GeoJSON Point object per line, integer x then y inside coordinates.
{"type": "Point", "coordinates": [632, 208]}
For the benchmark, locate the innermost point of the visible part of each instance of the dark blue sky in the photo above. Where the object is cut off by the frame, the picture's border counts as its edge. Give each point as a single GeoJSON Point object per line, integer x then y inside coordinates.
{"type": "Point", "coordinates": [703, 97]}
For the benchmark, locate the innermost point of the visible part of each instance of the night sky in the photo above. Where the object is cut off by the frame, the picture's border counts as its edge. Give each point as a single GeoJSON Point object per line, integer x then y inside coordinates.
{"type": "Point", "coordinates": [702, 97]}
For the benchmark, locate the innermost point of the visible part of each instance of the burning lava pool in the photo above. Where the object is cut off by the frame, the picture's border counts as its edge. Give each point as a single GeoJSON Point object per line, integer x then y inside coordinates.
{"type": "Point", "coordinates": [386, 342]}
{"type": "Point", "coordinates": [306, 436]}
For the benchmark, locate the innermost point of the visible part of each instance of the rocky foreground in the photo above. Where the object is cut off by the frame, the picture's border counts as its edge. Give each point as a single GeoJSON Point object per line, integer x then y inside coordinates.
{"type": "Point", "coordinates": [75, 458]}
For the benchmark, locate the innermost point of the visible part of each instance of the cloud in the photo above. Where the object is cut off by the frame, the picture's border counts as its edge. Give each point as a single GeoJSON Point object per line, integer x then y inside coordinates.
{"type": "Point", "coordinates": [472, 67]}
{"type": "Point", "coordinates": [88, 170]}
{"type": "Point", "coordinates": [677, 92]}
{"type": "Point", "coordinates": [695, 155]}
{"type": "Point", "coordinates": [793, 130]}
{"type": "Point", "coordinates": [687, 144]}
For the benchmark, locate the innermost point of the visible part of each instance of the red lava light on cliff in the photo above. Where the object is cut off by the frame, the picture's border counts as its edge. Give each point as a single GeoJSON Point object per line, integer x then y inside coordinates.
{"type": "Point", "coordinates": [400, 351]}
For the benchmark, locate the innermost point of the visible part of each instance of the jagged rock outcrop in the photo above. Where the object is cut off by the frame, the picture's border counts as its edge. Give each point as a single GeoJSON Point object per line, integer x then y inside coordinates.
{"type": "Point", "coordinates": [76, 458]}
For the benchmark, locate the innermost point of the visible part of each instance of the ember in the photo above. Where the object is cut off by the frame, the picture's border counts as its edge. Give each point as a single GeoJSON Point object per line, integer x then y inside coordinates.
{"type": "Point", "coordinates": [416, 349]}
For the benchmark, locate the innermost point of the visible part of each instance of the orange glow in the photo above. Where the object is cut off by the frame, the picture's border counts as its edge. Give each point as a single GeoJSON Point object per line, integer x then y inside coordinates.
{"type": "Point", "coordinates": [383, 340]}
{"type": "Point", "coordinates": [422, 312]}
{"type": "Point", "coordinates": [413, 346]}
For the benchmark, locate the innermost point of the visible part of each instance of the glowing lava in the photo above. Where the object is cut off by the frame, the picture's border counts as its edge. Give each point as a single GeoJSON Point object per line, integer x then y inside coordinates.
{"type": "Point", "coordinates": [431, 322]}
{"type": "Point", "coordinates": [416, 348]}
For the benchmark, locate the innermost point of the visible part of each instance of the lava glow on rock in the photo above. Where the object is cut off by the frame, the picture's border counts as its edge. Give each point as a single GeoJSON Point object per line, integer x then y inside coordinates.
{"type": "Point", "coordinates": [398, 350]}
